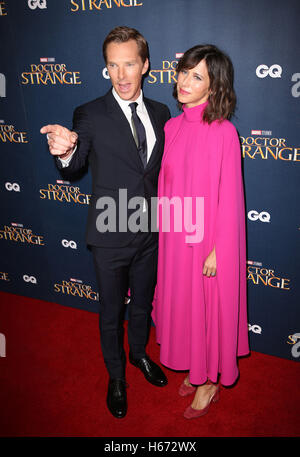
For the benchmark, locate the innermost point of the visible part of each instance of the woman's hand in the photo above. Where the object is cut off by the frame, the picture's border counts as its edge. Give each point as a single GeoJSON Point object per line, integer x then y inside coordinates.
{"type": "Point", "coordinates": [210, 264]}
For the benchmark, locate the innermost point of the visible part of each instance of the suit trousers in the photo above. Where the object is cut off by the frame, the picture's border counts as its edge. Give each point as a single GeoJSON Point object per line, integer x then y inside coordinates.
{"type": "Point", "coordinates": [118, 269]}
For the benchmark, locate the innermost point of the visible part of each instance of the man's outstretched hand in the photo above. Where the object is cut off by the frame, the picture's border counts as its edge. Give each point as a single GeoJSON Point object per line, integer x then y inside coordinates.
{"type": "Point", "coordinates": [61, 140]}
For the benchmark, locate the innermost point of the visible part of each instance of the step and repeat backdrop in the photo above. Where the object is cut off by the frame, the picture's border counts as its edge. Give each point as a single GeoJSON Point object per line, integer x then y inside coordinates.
{"type": "Point", "coordinates": [51, 62]}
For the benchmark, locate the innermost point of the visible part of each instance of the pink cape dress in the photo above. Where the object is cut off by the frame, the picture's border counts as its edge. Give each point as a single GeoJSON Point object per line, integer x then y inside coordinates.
{"type": "Point", "coordinates": [201, 322]}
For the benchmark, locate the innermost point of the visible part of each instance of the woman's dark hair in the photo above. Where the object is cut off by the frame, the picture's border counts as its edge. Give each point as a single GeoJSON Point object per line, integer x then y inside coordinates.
{"type": "Point", "coordinates": [222, 99]}
{"type": "Point", "coordinates": [122, 34]}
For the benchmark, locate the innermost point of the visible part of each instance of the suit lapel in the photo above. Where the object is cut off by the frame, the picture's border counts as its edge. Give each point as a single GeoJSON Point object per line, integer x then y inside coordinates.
{"type": "Point", "coordinates": [156, 152]}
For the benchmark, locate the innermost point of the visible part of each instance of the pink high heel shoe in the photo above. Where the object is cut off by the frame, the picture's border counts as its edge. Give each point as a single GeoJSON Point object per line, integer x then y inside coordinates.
{"type": "Point", "coordinates": [185, 390]}
{"type": "Point", "coordinates": [191, 413]}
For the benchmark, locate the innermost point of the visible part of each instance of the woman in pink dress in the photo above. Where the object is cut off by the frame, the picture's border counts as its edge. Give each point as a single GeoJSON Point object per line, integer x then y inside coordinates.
{"type": "Point", "coordinates": [200, 310]}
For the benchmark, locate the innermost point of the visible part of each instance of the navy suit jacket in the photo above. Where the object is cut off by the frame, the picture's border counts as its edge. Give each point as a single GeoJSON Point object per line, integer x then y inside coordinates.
{"type": "Point", "coordinates": [105, 139]}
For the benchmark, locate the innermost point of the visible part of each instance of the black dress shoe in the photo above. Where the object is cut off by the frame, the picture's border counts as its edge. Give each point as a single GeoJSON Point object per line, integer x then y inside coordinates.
{"type": "Point", "coordinates": [116, 399]}
{"type": "Point", "coordinates": [152, 372]}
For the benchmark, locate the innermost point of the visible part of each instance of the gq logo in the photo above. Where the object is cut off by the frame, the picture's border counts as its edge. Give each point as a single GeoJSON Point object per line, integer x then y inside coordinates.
{"type": "Point", "coordinates": [2, 85]}
{"type": "Point", "coordinates": [254, 329]}
{"type": "Point", "coordinates": [105, 73]}
{"type": "Point", "coordinates": [274, 71]}
{"type": "Point", "coordinates": [69, 244]}
{"type": "Point", "coordinates": [33, 4]}
{"type": "Point", "coordinates": [31, 279]}
{"type": "Point", "coordinates": [263, 216]}
{"type": "Point", "coordinates": [12, 186]}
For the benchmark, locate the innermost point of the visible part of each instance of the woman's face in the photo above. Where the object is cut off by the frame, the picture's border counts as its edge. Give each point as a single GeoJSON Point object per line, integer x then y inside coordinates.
{"type": "Point", "coordinates": [193, 85]}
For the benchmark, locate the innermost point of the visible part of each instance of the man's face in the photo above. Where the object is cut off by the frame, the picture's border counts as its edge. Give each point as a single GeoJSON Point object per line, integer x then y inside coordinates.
{"type": "Point", "coordinates": [125, 68]}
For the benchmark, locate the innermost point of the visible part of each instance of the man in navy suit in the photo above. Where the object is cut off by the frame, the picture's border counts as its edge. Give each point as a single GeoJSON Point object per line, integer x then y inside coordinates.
{"type": "Point", "coordinates": [121, 134]}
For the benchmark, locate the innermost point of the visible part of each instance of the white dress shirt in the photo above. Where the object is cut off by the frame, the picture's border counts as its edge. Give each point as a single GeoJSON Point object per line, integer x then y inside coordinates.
{"type": "Point", "coordinates": [143, 115]}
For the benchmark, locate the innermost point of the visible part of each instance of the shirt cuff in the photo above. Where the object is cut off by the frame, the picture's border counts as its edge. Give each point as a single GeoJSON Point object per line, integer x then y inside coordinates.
{"type": "Point", "coordinates": [65, 162]}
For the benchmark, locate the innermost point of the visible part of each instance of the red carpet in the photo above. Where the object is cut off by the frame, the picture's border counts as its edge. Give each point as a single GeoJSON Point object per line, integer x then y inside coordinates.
{"type": "Point", "coordinates": [53, 383]}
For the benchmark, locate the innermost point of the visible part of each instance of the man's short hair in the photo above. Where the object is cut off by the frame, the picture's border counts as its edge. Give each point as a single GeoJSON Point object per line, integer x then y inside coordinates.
{"type": "Point", "coordinates": [122, 34]}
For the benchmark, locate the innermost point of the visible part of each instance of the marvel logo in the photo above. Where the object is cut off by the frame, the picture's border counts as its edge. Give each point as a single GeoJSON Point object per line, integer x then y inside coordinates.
{"type": "Point", "coordinates": [47, 59]}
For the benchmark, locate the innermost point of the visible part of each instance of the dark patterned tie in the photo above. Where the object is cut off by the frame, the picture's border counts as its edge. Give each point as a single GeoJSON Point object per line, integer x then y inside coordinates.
{"type": "Point", "coordinates": [139, 133]}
